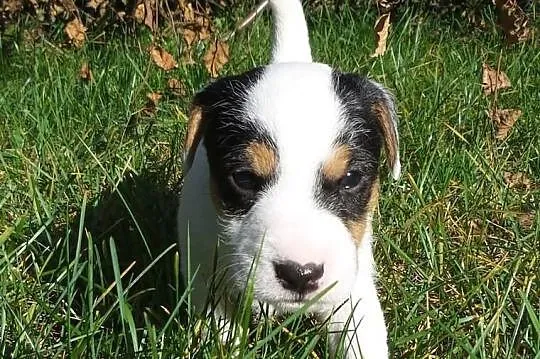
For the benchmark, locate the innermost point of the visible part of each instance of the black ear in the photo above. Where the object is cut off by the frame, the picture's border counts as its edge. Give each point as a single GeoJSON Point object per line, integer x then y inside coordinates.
{"type": "Point", "coordinates": [216, 103]}
{"type": "Point", "coordinates": [364, 95]}
{"type": "Point", "coordinates": [384, 109]}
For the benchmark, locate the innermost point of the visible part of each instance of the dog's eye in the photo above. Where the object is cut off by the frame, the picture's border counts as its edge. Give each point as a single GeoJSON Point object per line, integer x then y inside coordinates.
{"type": "Point", "coordinates": [351, 180]}
{"type": "Point", "coordinates": [246, 181]}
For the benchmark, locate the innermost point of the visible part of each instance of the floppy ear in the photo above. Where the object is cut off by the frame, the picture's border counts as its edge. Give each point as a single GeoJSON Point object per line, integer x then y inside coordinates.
{"type": "Point", "coordinates": [195, 129]}
{"type": "Point", "coordinates": [384, 110]}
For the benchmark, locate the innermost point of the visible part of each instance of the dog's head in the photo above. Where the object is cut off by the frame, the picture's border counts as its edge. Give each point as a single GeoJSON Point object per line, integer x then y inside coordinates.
{"type": "Point", "coordinates": [293, 153]}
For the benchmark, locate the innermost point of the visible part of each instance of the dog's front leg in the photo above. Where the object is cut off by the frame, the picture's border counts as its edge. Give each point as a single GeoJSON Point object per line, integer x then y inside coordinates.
{"type": "Point", "coordinates": [359, 325]}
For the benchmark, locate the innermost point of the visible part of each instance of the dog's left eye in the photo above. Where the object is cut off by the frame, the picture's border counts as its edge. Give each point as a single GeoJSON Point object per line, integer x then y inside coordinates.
{"type": "Point", "coordinates": [246, 181]}
{"type": "Point", "coordinates": [351, 180]}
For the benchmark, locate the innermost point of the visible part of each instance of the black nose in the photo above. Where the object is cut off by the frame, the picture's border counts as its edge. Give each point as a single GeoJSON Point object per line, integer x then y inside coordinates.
{"type": "Point", "coordinates": [297, 277]}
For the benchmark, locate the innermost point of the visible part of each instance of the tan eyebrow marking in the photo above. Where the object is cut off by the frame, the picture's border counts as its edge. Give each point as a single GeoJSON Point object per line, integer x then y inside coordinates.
{"type": "Point", "coordinates": [335, 167]}
{"type": "Point", "coordinates": [262, 158]}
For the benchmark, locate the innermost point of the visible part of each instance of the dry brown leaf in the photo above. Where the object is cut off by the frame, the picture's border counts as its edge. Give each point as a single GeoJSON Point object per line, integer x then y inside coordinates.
{"type": "Point", "coordinates": [153, 99]}
{"type": "Point", "coordinates": [76, 32]}
{"type": "Point", "coordinates": [526, 220]}
{"type": "Point", "coordinates": [149, 19]}
{"type": "Point", "coordinates": [177, 87]}
{"type": "Point", "coordinates": [162, 58]}
{"type": "Point", "coordinates": [197, 25]}
{"type": "Point", "coordinates": [189, 37]}
{"type": "Point", "coordinates": [56, 9]}
{"type": "Point", "coordinates": [139, 12]}
{"type": "Point", "coordinates": [518, 180]}
{"type": "Point", "coordinates": [385, 6]}
{"type": "Point", "coordinates": [504, 120]}
{"type": "Point", "coordinates": [95, 4]}
{"type": "Point", "coordinates": [85, 73]}
{"type": "Point", "coordinates": [493, 80]}
{"type": "Point", "coordinates": [68, 5]}
{"type": "Point", "coordinates": [12, 6]}
{"type": "Point", "coordinates": [216, 57]}
{"type": "Point", "coordinates": [382, 25]}
{"type": "Point", "coordinates": [145, 13]}
{"type": "Point", "coordinates": [100, 7]}
{"type": "Point", "coordinates": [513, 20]}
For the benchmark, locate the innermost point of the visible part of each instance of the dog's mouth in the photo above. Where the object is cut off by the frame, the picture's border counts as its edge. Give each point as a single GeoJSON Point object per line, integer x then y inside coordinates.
{"type": "Point", "coordinates": [299, 298]}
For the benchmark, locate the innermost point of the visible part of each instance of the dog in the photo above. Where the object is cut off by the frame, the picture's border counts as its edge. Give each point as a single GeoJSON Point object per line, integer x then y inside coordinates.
{"type": "Point", "coordinates": [281, 183]}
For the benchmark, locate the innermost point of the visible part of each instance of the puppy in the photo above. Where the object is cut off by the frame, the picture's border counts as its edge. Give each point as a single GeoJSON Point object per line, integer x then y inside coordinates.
{"type": "Point", "coordinates": [281, 182]}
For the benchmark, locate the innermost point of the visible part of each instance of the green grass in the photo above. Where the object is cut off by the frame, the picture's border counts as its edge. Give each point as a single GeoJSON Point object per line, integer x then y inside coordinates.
{"type": "Point", "coordinates": [88, 187]}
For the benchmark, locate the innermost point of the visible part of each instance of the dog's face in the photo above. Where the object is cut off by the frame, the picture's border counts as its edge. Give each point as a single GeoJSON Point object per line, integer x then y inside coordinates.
{"type": "Point", "coordinates": [293, 154]}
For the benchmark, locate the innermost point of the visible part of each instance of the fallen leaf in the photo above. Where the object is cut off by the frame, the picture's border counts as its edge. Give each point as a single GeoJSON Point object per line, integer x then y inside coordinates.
{"type": "Point", "coordinates": [382, 25]}
{"type": "Point", "coordinates": [139, 12]}
{"type": "Point", "coordinates": [385, 6]}
{"type": "Point", "coordinates": [68, 5]}
{"type": "Point", "coordinates": [154, 97]}
{"type": "Point", "coordinates": [99, 8]}
{"type": "Point", "coordinates": [145, 13]}
{"type": "Point", "coordinates": [176, 87]}
{"type": "Point", "coordinates": [216, 57]}
{"type": "Point", "coordinates": [197, 25]}
{"type": "Point", "coordinates": [189, 37]}
{"type": "Point", "coordinates": [152, 102]}
{"type": "Point", "coordinates": [12, 6]}
{"type": "Point", "coordinates": [518, 180]}
{"type": "Point", "coordinates": [526, 220]}
{"type": "Point", "coordinates": [55, 10]}
{"type": "Point", "coordinates": [95, 4]}
{"type": "Point", "coordinates": [504, 120]}
{"type": "Point", "coordinates": [493, 80]}
{"type": "Point", "coordinates": [513, 20]}
{"type": "Point", "coordinates": [475, 226]}
{"type": "Point", "coordinates": [149, 19]}
{"type": "Point", "coordinates": [162, 58]}
{"type": "Point", "coordinates": [85, 73]}
{"type": "Point", "coordinates": [76, 32]}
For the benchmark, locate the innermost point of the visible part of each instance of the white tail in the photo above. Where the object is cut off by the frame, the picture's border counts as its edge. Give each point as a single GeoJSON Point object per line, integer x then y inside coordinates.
{"type": "Point", "coordinates": [291, 39]}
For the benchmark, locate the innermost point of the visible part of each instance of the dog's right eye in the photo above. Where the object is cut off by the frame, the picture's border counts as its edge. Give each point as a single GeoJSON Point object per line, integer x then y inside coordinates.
{"type": "Point", "coordinates": [351, 180]}
{"type": "Point", "coordinates": [246, 181]}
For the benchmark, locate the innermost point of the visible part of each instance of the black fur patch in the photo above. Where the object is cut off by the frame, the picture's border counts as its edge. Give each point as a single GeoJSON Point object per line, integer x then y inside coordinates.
{"type": "Point", "coordinates": [228, 132]}
{"type": "Point", "coordinates": [362, 134]}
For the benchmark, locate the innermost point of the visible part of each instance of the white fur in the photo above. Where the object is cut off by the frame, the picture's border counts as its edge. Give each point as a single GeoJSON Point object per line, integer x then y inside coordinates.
{"type": "Point", "coordinates": [291, 39]}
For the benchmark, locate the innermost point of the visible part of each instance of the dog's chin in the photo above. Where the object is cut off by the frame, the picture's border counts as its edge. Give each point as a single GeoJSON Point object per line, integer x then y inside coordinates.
{"type": "Point", "coordinates": [290, 304]}
{"type": "Point", "coordinates": [286, 301]}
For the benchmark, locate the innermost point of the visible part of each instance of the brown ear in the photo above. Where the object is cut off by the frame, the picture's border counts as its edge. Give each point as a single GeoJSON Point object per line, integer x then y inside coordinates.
{"type": "Point", "coordinates": [195, 130]}
{"type": "Point", "coordinates": [386, 115]}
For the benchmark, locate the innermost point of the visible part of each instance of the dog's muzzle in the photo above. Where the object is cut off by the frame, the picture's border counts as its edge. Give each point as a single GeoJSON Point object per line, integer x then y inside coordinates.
{"type": "Point", "coordinates": [299, 278]}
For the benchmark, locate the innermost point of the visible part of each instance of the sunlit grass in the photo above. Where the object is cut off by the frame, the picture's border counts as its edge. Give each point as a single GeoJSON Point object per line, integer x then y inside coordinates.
{"type": "Point", "coordinates": [89, 183]}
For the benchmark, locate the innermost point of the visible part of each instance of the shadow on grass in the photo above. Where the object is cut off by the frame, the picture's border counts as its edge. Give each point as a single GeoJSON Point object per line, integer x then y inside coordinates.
{"type": "Point", "coordinates": [139, 217]}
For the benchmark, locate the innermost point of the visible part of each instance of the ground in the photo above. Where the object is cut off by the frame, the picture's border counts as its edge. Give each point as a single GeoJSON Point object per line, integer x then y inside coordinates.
{"type": "Point", "coordinates": [89, 176]}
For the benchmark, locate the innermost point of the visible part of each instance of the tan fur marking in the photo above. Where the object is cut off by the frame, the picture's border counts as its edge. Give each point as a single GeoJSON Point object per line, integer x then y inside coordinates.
{"type": "Point", "coordinates": [359, 227]}
{"type": "Point", "coordinates": [262, 159]}
{"type": "Point", "coordinates": [194, 132]}
{"type": "Point", "coordinates": [389, 133]}
{"type": "Point", "coordinates": [336, 166]}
